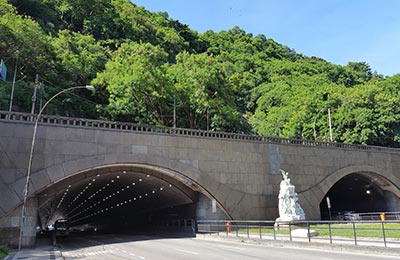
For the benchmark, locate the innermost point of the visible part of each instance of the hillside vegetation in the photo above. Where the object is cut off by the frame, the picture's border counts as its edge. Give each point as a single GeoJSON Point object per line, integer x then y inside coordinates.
{"type": "Point", "coordinates": [144, 64]}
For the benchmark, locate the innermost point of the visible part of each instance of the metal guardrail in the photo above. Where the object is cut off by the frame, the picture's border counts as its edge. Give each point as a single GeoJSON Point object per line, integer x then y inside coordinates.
{"type": "Point", "coordinates": [178, 225]}
{"type": "Point", "coordinates": [377, 215]}
{"type": "Point", "coordinates": [124, 126]}
{"type": "Point", "coordinates": [366, 233]}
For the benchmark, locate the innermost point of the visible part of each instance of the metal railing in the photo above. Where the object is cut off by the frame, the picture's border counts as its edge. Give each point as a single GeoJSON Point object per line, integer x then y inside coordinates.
{"type": "Point", "coordinates": [366, 233]}
{"type": "Point", "coordinates": [378, 215]}
{"type": "Point", "coordinates": [124, 126]}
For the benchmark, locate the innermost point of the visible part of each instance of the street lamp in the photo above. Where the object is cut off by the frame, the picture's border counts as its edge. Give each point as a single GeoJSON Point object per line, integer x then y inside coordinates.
{"type": "Point", "coordinates": [22, 220]}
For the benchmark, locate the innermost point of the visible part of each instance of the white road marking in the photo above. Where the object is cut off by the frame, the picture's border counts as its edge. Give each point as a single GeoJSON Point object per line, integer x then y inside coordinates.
{"type": "Point", "coordinates": [185, 251]}
{"type": "Point", "coordinates": [233, 247]}
{"type": "Point", "coordinates": [131, 254]}
{"type": "Point", "coordinates": [141, 257]}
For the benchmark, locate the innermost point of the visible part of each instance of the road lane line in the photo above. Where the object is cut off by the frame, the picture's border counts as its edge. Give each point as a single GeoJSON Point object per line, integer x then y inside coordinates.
{"type": "Point", "coordinates": [186, 251]}
{"type": "Point", "coordinates": [141, 257]}
{"type": "Point", "coordinates": [232, 247]}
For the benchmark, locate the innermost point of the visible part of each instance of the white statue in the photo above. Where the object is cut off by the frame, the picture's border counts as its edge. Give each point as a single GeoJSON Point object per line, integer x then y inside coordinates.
{"type": "Point", "coordinates": [289, 208]}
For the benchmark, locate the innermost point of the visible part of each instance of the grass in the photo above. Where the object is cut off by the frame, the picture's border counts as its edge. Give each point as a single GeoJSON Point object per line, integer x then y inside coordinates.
{"type": "Point", "coordinates": [392, 230]}
{"type": "Point", "coordinates": [4, 251]}
{"type": "Point", "coordinates": [374, 230]}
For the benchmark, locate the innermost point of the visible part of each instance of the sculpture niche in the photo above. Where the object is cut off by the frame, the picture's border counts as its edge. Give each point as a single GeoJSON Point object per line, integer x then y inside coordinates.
{"type": "Point", "coordinates": [289, 208]}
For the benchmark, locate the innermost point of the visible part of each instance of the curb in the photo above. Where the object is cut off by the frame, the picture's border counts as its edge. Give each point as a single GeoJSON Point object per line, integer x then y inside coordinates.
{"type": "Point", "coordinates": [388, 251]}
{"type": "Point", "coordinates": [53, 254]}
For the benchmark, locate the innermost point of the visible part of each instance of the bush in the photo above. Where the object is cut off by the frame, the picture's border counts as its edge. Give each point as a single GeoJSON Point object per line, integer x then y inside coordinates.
{"type": "Point", "coordinates": [4, 251]}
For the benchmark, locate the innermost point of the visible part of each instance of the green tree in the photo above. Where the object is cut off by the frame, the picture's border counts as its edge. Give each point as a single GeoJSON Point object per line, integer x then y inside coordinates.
{"type": "Point", "coordinates": [81, 56]}
{"type": "Point", "coordinates": [137, 84]}
{"type": "Point", "coordinates": [203, 94]}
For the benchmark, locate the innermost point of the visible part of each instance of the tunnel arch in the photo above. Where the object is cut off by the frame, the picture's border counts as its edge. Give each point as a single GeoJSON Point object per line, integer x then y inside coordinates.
{"type": "Point", "coordinates": [183, 175]}
{"type": "Point", "coordinates": [358, 189]}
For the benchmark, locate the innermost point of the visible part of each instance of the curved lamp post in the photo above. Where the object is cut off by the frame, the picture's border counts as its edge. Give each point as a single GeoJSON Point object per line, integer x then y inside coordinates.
{"type": "Point", "coordinates": [22, 220]}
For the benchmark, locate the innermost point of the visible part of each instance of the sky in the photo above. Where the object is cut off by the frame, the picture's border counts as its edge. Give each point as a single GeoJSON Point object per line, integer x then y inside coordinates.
{"type": "Point", "coordinates": [338, 31]}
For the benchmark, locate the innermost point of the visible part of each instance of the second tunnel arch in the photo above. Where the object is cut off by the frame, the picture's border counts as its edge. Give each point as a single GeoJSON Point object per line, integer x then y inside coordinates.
{"type": "Point", "coordinates": [378, 179]}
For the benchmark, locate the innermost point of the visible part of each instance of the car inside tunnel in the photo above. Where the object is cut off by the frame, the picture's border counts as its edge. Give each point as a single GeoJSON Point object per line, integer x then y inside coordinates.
{"type": "Point", "coordinates": [357, 194]}
{"type": "Point", "coordinates": [121, 199]}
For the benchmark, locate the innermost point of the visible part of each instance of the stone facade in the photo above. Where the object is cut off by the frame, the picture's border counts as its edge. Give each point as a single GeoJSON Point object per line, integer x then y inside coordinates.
{"type": "Point", "coordinates": [243, 176]}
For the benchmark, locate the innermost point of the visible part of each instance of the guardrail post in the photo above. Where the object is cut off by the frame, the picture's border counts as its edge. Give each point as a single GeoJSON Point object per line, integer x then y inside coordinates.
{"type": "Point", "coordinates": [355, 233]}
{"type": "Point", "coordinates": [290, 231]}
{"type": "Point", "coordinates": [330, 232]}
{"type": "Point", "coordinates": [274, 233]}
{"type": "Point", "coordinates": [308, 232]}
{"type": "Point", "coordinates": [259, 228]}
{"type": "Point", "coordinates": [248, 231]}
{"type": "Point", "coordinates": [237, 230]}
{"type": "Point", "coordinates": [383, 233]}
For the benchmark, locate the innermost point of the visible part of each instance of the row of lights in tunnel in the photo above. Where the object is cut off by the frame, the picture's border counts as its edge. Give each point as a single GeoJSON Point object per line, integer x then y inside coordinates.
{"type": "Point", "coordinates": [120, 204]}
{"type": "Point", "coordinates": [99, 202]}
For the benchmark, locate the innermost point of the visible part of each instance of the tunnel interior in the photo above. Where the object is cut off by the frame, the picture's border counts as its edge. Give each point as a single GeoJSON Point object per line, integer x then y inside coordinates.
{"type": "Point", "coordinates": [358, 193]}
{"type": "Point", "coordinates": [121, 199]}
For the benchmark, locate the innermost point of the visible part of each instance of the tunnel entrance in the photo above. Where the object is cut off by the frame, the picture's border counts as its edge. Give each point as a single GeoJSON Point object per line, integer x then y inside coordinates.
{"type": "Point", "coordinates": [124, 199]}
{"type": "Point", "coordinates": [359, 193]}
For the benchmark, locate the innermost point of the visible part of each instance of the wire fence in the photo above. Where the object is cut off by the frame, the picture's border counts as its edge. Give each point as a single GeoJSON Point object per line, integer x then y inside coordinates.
{"type": "Point", "coordinates": [367, 233]}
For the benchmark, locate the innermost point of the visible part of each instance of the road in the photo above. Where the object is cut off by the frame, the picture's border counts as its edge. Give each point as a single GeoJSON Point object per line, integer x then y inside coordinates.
{"type": "Point", "coordinates": [162, 248]}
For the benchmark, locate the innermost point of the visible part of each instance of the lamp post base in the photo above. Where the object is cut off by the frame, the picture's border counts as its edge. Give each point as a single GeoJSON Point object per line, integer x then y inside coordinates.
{"type": "Point", "coordinates": [10, 226]}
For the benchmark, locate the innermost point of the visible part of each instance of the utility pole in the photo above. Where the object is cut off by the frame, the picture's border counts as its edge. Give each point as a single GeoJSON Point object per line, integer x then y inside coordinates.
{"type": "Point", "coordinates": [330, 125]}
{"type": "Point", "coordinates": [208, 128]}
{"type": "Point", "coordinates": [174, 111]}
{"type": "Point", "coordinates": [13, 83]}
{"type": "Point", "coordinates": [34, 93]}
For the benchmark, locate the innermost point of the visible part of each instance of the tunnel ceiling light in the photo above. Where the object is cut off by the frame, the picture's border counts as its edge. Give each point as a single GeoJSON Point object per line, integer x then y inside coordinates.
{"type": "Point", "coordinates": [120, 204]}
{"type": "Point", "coordinates": [368, 192]}
{"type": "Point", "coordinates": [148, 176]}
{"type": "Point", "coordinates": [117, 176]}
{"type": "Point", "coordinates": [140, 179]}
{"type": "Point", "coordinates": [123, 171]}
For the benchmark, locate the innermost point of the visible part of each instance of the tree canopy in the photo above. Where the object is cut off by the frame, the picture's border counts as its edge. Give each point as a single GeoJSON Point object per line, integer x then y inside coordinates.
{"type": "Point", "coordinates": [147, 67]}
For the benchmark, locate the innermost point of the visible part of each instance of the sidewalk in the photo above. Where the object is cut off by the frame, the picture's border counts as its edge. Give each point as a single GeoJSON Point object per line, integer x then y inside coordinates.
{"type": "Point", "coordinates": [42, 251]}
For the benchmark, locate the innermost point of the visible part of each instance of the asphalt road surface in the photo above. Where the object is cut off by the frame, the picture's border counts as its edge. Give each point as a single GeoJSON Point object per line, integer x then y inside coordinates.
{"type": "Point", "coordinates": [162, 248]}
